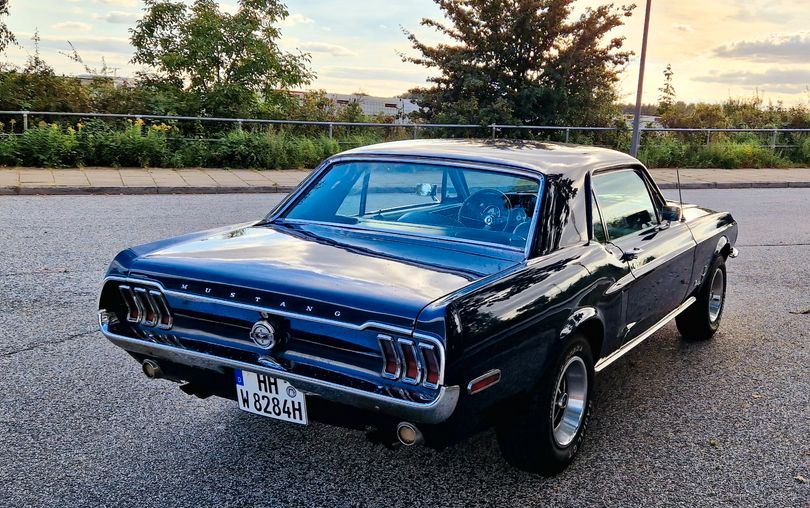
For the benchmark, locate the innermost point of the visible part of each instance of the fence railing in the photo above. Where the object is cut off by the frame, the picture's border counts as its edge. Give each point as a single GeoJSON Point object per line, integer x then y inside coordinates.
{"type": "Point", "coordinates": [416, 129]}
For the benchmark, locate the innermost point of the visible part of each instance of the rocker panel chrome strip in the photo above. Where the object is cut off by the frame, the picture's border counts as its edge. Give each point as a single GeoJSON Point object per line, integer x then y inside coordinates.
{"type": "Point", "coordinates": [604, 362]}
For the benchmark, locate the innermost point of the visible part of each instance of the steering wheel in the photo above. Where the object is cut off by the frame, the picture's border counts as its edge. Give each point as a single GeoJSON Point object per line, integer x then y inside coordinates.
{"type": "Point", "coordinates": [487, 209]}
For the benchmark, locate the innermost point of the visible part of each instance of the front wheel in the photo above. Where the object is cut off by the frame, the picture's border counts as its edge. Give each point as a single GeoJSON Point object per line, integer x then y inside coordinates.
{"type": "Point", "coordinates": [543, 433]}
{"type": "Point", "coordinates": [702, 319]}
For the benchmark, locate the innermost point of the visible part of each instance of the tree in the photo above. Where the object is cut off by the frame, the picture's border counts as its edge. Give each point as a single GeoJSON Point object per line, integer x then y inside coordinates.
{"type": "Point", "coordinates": [521, 62]}
{"type": "Point", "coordinates": [6, 36]}
{"type": "Point", "coordinates": [228, 61]}
{"type": "Point", "coordinates": [667, 99]}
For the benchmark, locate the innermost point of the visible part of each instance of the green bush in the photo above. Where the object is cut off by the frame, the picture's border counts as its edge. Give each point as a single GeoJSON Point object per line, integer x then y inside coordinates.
{"type": "Point", "coordinates": [48, 145]}
{"type": "Point", "coordinates": [738, 155]}
{"type": "Point", "coordinates": [140, 145]}
{"type": "Point", "coordinates": [664, 151]}
{"type": "Point", "coordinates": [8, 150]}
{"type": "Point", "coordinates": [804, 151]}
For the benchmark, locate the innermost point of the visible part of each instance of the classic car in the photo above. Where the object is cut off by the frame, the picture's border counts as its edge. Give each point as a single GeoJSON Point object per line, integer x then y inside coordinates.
{"type": "Point", "coordinates": [425, 290]}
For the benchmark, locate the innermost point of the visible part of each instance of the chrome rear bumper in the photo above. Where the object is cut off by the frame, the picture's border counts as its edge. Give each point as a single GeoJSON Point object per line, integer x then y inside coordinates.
{"type": "Point", "coordinates": [432, 412]}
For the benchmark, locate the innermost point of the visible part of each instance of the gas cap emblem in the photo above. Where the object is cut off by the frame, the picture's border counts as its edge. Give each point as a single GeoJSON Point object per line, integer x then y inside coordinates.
{"type": "Point", "coordinates": [263, 334]}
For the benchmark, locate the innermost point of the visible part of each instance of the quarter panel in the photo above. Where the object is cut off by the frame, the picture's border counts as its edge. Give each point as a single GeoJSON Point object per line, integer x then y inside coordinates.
{"type": "Point", "coordinates": [513, 323]}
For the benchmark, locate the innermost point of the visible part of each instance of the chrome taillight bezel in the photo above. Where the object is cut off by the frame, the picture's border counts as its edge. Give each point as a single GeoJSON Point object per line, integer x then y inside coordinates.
{"type": "Point", "coordinates": [146, 307]}
{"type": "Point", "coordinates": [428, 360]}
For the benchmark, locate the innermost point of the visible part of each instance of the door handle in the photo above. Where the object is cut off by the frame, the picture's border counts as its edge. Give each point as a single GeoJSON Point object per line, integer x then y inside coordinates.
{"type": "Point", "coordinates": [632, 254]}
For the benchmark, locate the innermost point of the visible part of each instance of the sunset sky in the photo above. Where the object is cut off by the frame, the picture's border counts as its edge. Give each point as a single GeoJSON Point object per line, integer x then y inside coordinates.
{"type": "Point", "coordinates": [718, 48]}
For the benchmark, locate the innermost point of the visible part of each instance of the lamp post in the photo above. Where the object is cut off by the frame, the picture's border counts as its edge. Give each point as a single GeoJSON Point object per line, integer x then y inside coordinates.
{"type": "Point", "coordinates": [637, 115]}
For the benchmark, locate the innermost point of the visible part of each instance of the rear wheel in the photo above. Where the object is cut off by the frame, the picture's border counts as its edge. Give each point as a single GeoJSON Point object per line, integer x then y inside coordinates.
{"type": "Point", "coordinates": [543, 434]}
{"type": "Point", "coordinates": [702, 319]}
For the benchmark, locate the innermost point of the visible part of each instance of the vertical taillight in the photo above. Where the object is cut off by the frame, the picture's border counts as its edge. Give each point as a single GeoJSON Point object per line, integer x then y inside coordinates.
{"type": "Point", "coordinates": [164, 314]}
{"type": "Point", "coordinates": [150, 313]}
{"type": "Point", "coordinates": [412, 369]}
{"type": "Point", "coordinates": [134, 308]}
{"type": "Point", "coordinates": [431, 362]}
{"type": "Point", "coordinates": [391, 363]}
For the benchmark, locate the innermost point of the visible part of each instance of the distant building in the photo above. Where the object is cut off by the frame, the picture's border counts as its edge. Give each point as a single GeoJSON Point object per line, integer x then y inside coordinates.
{"type": "Point", "coordinates": [87, 79]}
{"type": "Point", "coordinates": [645, 121]}
{"type": "Point", "coordinates": [390, 106]}
{"type": "Point", "coordinates": [396, 107]}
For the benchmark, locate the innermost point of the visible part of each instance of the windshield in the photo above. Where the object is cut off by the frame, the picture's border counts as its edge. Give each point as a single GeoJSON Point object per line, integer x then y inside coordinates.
{"type": "Point", "coordinates": [423, 199]}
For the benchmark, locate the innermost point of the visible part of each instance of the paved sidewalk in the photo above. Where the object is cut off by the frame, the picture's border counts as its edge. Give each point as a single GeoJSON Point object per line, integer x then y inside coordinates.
{"type": "Point", "coordinates": [28, 181]}
{"type": "Point", "coordinates": [145, 181]}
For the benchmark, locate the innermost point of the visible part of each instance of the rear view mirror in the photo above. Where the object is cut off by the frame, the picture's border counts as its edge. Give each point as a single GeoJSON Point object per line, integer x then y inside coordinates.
{"type": "Point", "coordinates": [671, 213]}
{"type": "Point", "coordinates": [426, 189]}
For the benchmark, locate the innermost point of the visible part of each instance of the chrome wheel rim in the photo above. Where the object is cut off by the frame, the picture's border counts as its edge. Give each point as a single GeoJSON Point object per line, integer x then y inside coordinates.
{"type": "Point", "coordinates": [569, 401]}
{"type": "Point", "coordinates": [716, 295]}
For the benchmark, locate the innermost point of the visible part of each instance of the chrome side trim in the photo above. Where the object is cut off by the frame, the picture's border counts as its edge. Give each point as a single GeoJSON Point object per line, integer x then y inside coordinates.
{"type": "Point", "coordinates": [398, 330]}
{"type": "Point", "coordinates": [621, 283]}
{"type": "Point", "coordinates": [604, 362]}
{"type": "Point", "coordinates": [646, 268]}
{"type": "Point", "coordinates": [432, 412]}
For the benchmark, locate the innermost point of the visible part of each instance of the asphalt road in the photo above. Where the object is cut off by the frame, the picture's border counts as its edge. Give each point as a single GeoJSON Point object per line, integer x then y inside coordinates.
{"type": "Point", "coordinates": [721, 423]}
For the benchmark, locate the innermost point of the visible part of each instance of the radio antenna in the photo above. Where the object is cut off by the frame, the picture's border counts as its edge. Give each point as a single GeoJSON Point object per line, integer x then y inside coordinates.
{"type": "Point", "coordinates": [680, 194]}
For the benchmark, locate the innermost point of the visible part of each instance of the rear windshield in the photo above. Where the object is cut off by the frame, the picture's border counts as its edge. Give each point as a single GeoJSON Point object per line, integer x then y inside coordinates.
{"type": "Point", "coordinates": [432, 200]}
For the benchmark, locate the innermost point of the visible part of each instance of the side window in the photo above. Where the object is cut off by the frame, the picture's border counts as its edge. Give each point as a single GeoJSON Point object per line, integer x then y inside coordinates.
{"type": "Point", "coordinates": [598, 225]}
{"type": "Point", "coordinates": [625, 203]}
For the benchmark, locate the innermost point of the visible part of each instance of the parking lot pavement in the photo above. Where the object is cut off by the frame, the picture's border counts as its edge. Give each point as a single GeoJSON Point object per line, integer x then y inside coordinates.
{"type": "Point", "coordinates": [718, 423]}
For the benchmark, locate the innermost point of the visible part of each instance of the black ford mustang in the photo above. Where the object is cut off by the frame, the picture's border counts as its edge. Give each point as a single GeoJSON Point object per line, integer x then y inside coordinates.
{"type": "Point", "coordinates": [425, 290]}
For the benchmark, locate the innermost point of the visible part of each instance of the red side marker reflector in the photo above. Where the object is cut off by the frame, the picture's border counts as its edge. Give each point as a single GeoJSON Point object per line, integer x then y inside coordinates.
{"type": "Point", "coordinates": [481, 383]}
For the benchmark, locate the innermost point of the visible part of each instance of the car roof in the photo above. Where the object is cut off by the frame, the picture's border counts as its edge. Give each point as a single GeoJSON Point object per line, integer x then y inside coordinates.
{"type": "Point", "coordinates": [546, 158]}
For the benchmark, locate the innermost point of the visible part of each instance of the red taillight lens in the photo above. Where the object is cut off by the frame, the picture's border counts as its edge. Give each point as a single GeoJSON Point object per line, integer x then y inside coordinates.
{"type": "Point", "coordinates": [431, 365]}
{"type": "Point", "coordinates": [412, 373]}
{"type": "Point", "coordinates": [390, 358]}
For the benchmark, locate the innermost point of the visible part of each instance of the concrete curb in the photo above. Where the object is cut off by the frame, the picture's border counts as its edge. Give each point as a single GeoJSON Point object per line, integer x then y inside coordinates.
{"type": "Point", "coordinates": [735, 185]}
{"type": "Point", "coordinates": [55, 190]}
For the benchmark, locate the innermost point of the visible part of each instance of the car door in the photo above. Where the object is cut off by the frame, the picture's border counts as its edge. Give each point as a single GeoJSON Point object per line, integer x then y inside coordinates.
{"type": "Point", "coordinates": [660, 254]}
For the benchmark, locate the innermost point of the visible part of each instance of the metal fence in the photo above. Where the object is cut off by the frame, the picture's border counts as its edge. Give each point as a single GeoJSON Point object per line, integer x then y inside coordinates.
{"type": "Point", "coordinates": [605, 136]}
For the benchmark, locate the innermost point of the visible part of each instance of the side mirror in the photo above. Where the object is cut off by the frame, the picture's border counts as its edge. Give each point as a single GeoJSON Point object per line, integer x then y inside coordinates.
{"type": "Point", "coordinates": [427, 189]}
{"type": "Point", "coordinates": [671, 213]}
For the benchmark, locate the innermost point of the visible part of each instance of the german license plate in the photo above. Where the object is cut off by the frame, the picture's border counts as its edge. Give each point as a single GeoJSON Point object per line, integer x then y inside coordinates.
{"type": "Point", "coordinates": [269, 396]}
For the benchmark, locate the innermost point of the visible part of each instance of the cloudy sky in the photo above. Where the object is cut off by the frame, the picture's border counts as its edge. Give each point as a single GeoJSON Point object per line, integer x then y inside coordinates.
{"type": "Point", "coordinates": [718, 48]}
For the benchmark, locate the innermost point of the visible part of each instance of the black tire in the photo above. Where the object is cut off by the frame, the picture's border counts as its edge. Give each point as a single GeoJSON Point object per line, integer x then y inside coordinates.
{"type": "Point", "coordinates": [527, 435]}
{"type": "Point", "coordinates": [702, 319]}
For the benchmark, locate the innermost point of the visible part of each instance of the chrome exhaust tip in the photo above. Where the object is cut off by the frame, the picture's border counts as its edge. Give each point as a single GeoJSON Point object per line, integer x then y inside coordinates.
{"type": "Point", "coordinates": [409, 435]}
{"type": "Point", "coordinates": [151, 369]}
